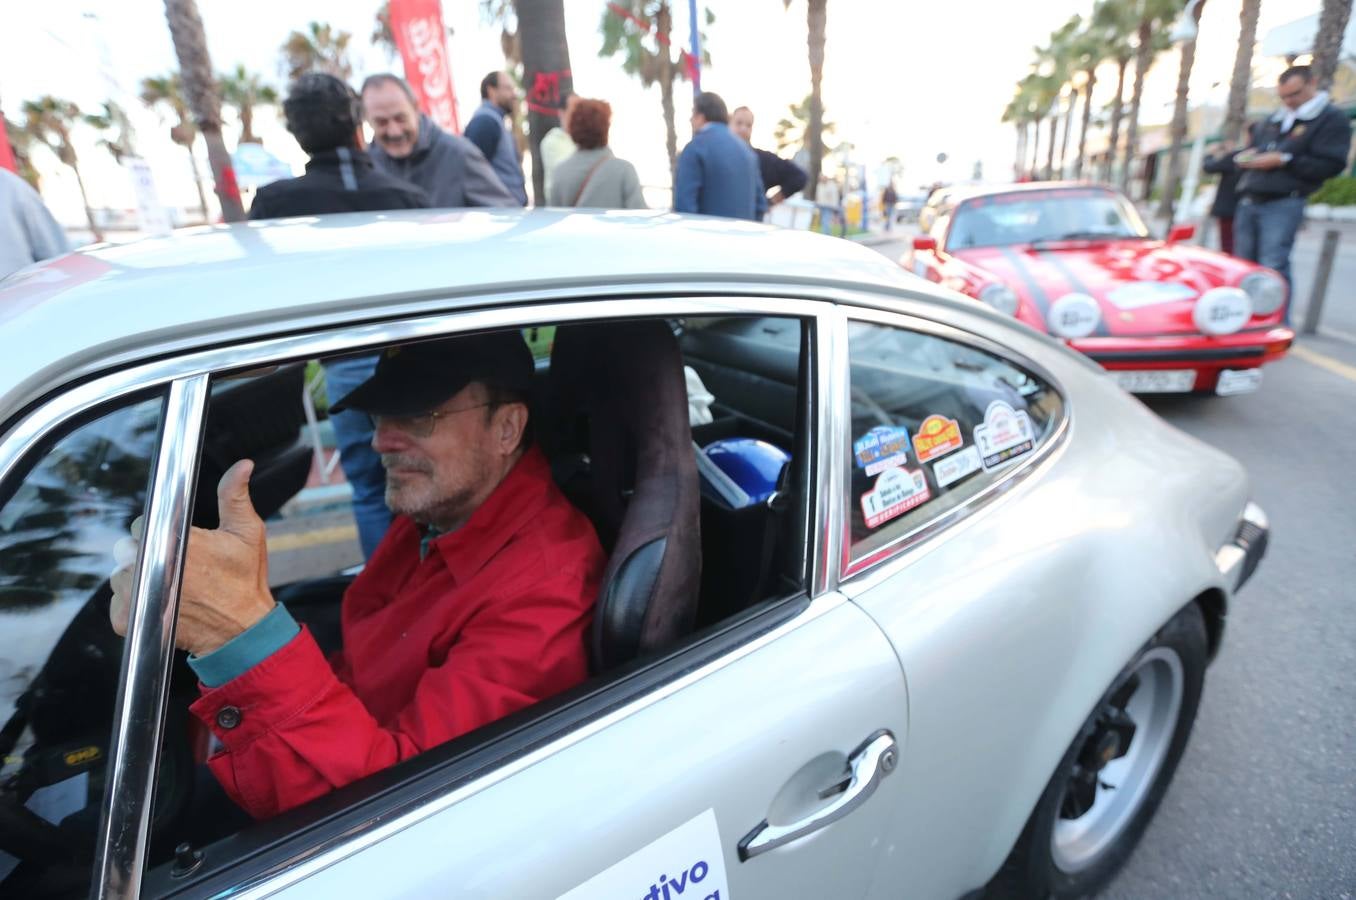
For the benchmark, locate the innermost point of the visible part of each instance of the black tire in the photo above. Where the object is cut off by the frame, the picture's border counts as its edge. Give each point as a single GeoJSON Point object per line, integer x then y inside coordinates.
{"type": "Point", "coordinates": [1031, 870]}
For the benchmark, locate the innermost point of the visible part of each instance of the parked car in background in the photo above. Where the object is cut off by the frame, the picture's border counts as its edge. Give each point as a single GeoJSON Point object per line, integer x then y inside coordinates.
{"type": "Point", "coordinates": [1077, 261]}
{"type": "Point", "coordinates": [923, 656]}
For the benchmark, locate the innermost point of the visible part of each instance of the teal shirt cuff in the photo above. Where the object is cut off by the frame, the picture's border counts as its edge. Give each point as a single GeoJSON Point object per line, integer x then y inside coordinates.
{"type": "Point", "coordinates": [247, 649]}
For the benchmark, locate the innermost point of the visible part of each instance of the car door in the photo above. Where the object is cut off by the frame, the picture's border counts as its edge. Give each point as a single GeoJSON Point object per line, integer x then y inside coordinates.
{"type": "Point", "coordinates": [756, 762]}
{"type": "Point", "coordinates": [702, 786]}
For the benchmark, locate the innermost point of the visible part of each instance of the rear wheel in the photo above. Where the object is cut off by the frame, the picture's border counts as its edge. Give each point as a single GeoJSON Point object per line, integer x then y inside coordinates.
{"type": "Point", "coordinates": [1115, 772]}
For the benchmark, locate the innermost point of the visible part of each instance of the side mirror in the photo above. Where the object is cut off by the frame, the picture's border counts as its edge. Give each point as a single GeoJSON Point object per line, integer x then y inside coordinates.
{"type": "Point", "coordinates": [925, 242]}
{"type": "Point", "coordinates": [1178, 233]}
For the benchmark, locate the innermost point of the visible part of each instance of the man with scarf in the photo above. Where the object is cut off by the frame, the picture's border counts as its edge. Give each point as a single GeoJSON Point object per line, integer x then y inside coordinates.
{"type": "Point", "coordinates": [1291, 154]}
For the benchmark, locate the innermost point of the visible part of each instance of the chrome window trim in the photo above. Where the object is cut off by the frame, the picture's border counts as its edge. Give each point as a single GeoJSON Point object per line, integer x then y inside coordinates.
{"type": "Point", "coordinates": [852, 568]}
{"type": "Point", "coordinates": [830, 523]}
{"type": "Point", "coordinates": [125, 819]}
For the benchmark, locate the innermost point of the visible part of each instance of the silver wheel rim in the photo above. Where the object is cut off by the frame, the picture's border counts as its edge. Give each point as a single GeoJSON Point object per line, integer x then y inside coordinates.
{"type": "Point", "coordinates": [1077, 843]}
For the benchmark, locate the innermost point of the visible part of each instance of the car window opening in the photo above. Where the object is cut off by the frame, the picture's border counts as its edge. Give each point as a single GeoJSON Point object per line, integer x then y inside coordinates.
{"type": "Point", "coordinates": [729, 393]}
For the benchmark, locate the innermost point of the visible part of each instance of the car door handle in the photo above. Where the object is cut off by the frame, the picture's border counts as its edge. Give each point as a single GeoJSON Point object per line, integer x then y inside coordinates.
{"type": "Point", "coordinates": [868, 764]}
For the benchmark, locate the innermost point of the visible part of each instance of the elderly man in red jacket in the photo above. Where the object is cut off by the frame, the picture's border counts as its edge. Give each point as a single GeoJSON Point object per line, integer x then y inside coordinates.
{"type": "Point", "coordinates": [476, 603]}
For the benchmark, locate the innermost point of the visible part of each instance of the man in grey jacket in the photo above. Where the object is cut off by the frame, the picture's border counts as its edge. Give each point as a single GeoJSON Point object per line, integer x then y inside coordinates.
{"type": "Point", "coordinates": [450, 169]}
{"type": "Point", "coordinates": [28, 232]}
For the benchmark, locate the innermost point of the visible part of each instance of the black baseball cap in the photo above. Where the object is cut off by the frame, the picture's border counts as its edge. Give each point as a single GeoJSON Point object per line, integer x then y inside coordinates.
{"type": "Point", "coordinates": [415, 378]}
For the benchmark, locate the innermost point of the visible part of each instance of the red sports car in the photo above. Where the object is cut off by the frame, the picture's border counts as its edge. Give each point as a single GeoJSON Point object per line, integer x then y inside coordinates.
{"type": "Point", "coordinates": [1078, 262]}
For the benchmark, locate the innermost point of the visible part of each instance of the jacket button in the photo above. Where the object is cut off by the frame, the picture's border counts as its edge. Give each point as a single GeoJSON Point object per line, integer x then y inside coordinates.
{"type": "Point", "coordinates": [228, 717]}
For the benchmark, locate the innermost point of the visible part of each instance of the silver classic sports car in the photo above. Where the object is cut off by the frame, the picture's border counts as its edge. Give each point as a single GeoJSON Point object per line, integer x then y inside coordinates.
{"type": "Point", "coordinates": [957, 596]}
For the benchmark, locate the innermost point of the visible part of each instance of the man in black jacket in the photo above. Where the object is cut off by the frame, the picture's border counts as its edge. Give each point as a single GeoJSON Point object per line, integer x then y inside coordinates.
{"type": "Point", "coordinates": [783, 174]}
{"type": "Point", "coordinates": [1302, 145]}
{"type": "Point", "coordinates": [324, 115]}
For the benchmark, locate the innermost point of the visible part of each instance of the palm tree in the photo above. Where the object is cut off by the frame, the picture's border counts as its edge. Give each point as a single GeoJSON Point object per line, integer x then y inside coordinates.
{"type": "Point", "coordinates": [167, 92]}
{"type": "Point", "coordinates": [382, 35]}
{"type": "Point", "coordinates": [116, 130]}
{"type": "Point", "coordinates": [1177, 132]}
{"type": "Point", "coordinates": [816, 22]}
{"type": "Point", "coordinates": [244, 90]}
{"type": "Point", "coordinates": [49, 121]}
{"type": "Point", "coordinates": [546, 67]}
{"type": "Point", "coordinates": [200, 90]}
{"type": "Point", "coordinates": [1332, 26]}
{"type": "Point", "coordinates": [1150, 41]}
{"type": "Point", "coordinates": [1018, 114]}
{"type": "Point", "coordinates": [1087, 50]}
{"type": "Point", "coordinates": [793, 130]}
{"type": "Point", "coordinates": [1060, 56]}
{"type": "Point", "coordinates": [1117, 23]}
{"type": "Point", "coordinates": [504, 14]}
{"type": "Point", "coordinates": [1236, 109]}
{"type": "Point", "coordinates": [318, 48]}
{"type": "Point", "coordinates": [641, 31]}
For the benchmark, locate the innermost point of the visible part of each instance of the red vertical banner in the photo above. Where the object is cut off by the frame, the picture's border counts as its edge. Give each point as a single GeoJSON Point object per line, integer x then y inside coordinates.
{"type": "Point", "coordinates": [6, 154]}
{"type": "Point", "coordinates": [422, 40]}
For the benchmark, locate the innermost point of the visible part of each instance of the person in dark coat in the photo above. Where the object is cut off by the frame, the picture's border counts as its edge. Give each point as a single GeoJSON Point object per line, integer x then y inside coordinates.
{"type": "Point", "coordinates": [782, 174]}
{"type": "Point", "coordinates": [325, 117]}
{"type": "Point", "coordinates": [717, 172]}
{"type": "Point", "coordinates": [1291, 154]}
{"type": "Point", "coordinates": [1220, 161]}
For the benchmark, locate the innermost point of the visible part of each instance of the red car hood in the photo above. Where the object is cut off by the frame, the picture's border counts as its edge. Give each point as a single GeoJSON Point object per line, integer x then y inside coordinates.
{"type": "Point", "coordinates": [1144, 287]}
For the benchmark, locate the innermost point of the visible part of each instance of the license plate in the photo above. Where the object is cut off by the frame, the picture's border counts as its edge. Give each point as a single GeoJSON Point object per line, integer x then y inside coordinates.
{"type": "Point", "coordinates": [1156, 381]}
{"type": "Point", "coordinates": [1238, 381]}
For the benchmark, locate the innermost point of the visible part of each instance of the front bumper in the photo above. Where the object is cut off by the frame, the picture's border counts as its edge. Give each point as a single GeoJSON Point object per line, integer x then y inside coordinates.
{"type": "Point", "coordinates": [1208, 356]}
{"type": "Point", "coordinates": [1238, 558]}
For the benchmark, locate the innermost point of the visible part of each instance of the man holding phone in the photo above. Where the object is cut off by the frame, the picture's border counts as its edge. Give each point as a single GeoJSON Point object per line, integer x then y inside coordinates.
{"type": "Point", "coordinates": [1291, 154]}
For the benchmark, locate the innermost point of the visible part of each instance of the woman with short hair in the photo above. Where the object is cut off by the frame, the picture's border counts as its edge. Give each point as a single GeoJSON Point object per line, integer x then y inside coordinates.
{"type": "Point", "coordinates": [593, 177]}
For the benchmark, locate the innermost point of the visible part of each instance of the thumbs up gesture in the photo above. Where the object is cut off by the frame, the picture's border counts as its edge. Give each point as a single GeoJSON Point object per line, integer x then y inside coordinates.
{"type": "Point", "coordinates": [225, 582]}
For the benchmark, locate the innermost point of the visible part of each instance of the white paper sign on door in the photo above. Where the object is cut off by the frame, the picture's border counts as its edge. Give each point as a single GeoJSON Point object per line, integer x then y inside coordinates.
{"type": "Point", "coordinates": [685, 864]}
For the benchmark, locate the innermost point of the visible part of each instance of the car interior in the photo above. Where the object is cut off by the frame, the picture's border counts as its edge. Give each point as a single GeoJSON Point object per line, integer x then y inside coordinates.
{"type": "Point", "coordinates": [611, 412]}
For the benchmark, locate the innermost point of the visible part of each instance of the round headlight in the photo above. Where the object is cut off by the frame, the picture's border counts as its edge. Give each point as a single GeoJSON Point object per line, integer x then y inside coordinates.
{"type": "Point", "coordinates": [1266, 291]}
{"type": "Point", "coordinates": [1074, 316]}
{"type": "Point", "coordinates": [1222, 310]}
{"type": "Point", "coordinates": [1000, 297]}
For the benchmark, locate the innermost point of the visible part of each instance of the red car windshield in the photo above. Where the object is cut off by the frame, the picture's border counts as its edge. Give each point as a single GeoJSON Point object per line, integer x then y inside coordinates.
{"type": "Point", "coordinates": [1037, 217]}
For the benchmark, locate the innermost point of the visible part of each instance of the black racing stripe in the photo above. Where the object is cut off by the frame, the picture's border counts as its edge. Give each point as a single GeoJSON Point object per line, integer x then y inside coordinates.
{"type": "Point", "coordinates": [1175, 355]}
{"type": "Point", "coordinates": [1033, 288]}
{"type": "Point", "coordinates": [1074, 282]}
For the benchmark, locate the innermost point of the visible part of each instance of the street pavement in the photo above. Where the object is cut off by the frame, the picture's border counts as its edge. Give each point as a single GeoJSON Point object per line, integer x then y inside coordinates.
{"type": "Point", "coordinates": [1264, 802]}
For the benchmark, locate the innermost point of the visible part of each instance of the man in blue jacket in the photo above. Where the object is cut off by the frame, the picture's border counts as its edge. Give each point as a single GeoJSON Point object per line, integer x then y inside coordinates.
{"type": "Point", "coordinates": [489, 130]}
{"type": "Point", "coordinates": [717, 172]}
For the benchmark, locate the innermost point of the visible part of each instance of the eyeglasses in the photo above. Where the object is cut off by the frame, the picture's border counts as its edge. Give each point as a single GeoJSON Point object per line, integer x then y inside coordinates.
{"type": "Point", "coordinates": [421, 425]}
{"type": "Point", "coordinates": [1292, 95]}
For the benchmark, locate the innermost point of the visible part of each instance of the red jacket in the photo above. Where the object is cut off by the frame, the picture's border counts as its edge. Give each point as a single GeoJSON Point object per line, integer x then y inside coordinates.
{"type": "Point", "coordinates": [492, 620]}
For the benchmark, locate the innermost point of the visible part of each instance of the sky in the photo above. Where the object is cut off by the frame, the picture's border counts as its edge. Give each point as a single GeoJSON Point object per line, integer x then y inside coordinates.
{"type": "Point", "coordinates": [902, 78]}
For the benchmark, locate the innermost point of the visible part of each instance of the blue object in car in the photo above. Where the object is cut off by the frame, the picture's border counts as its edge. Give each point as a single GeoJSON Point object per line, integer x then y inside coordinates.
{"type": "Point", "coordinates": [752, 464]}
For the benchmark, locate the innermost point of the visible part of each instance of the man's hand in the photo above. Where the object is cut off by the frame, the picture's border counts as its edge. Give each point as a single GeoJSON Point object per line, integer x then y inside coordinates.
{"type": "Point", "coordinates": [1271, 160]}
{"type": "Point", "coordinates": [225, 583]}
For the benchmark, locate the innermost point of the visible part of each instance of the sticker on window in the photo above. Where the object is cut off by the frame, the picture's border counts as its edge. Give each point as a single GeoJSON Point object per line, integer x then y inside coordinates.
{"type": "Point", "coordinates": [937, 436]}
{"type": "Point", "coordinates": [1005, 435]}
{"type": "Point", "coordinates": [896, 492]}
{"type": "Point", "coordinates": [880, 443]}
{"type": "Point", "coordinates": [955, 467]}
{"type": "Point", "coordinates": [687, 859]}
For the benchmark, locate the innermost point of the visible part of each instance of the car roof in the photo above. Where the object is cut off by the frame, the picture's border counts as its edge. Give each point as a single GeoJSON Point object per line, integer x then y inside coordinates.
{"type": "Point", "coordinates": [968, 192]}
{"type": "Point", "coordinates": [120, 303]}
